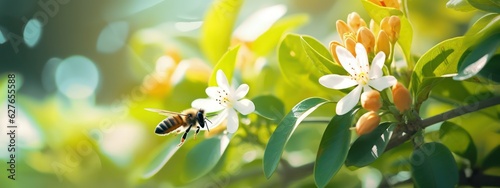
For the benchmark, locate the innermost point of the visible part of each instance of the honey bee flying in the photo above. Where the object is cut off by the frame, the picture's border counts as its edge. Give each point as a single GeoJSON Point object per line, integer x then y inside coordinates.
{"type": "Point", "coordinates": [178, 122]}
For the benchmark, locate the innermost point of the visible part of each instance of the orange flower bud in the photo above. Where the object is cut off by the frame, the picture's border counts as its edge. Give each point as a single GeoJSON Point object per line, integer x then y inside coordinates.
{"type": "Point", "coordinates": [343, 29]}
{"type": "Point", "coordinates": [367, 123]}
{"type": "Point", "coordinates": [377, 2]}
{"type": "Point", "coordinates": [333, 49]}
{"type": "Point", "coordinates": [391, 3]}
{"type": "Point", "coordinates": [402, 97]}
{"type": "Point", "coordinates": [366, 37]}
{"type": "Point", "coordinates": [350, 45]}
{"type": "Point", "coordinates": [392, 26]}
{"type": "Point", "coordinates": [355, 21]}
{"type": "Point", "coordinates": [383, 43]}
{"type": "Point", "coordinates": [370, 100]}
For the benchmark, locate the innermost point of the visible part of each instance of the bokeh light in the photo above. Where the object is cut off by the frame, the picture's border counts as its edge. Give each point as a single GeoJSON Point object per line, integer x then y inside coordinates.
{"type": "Point", "coordinates": [112, 37]}
{"type": "Point", "coordinates": [77, 77]}
{"type": "Point", "coordinates": [32, 32]}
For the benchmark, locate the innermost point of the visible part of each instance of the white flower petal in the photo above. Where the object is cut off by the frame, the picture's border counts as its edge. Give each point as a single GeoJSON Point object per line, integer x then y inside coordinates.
{"type": "Point", "coordinates": [222, 80]}
{"type": "Point", "coordinates": [232, 121]}
{"type": "Point", "coordinates": [244, 106]}
{"type": "Point", "coordinates": [349, 101]}
{"type": "Point", "coordinates": [361, 57]}
{"type": "Point", "coordinates": [347, 60]}
{"type": "Point", "coordinates": [212, 92]}
{"type": "Point", "coordinates": [382, 82]}
{"type": "Point", "coordinates": [209, 105]}
{"type": "Point", "coordinates": [241, 91]}
{"type": "Point", "coordinates": [217, 119]}
{"type": "Point", "coordinates": [335, 81]}
{"type": "Point", "coordinates": [377, 64]}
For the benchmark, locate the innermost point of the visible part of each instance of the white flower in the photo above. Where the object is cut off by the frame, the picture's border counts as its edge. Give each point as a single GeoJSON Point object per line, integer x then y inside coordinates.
{"type": "Point", "coordinates": [225, 99]}
{"type": "Point", "coordinates": [360, 74]}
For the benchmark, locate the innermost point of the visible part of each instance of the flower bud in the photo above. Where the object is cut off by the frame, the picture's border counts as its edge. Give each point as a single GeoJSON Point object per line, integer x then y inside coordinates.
{"type": "Point", "coordinates": [355, 21]}
{"type": "Point", "coordinates": [333, 49]}
{"type": "Point", "coordinates": [367, 123]}
{"type": "Point", "coordinates": [370, 100]}
{"type": "Point", "coordinates": [392, 26]}
{"type": "Point", "coordinates": [391, 3]}
{"type": "Point", "coordinates": [366, 37]}
{"type": "Point", "coordinates": [350, 45]}
{"type": "Point", "coordinates": [383, 43]}
{"type": "Point", "coordinates": [377, 2]}
{"type": "Point", "coordinates": [402, 97]}
{"type": "Point", "coordinates": [343, 29]}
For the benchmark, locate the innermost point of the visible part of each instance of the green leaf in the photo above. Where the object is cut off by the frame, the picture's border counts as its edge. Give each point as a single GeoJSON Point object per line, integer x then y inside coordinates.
{"type": "Point", "coordinates": [367, 148]}
{"type": "Point", "coordinates": [226, 64]}
{"type": "Point", "coordinates": [377, 13]}
{"type": "Point", "coordinates": [483, 27]}
{"type": "Point", "coordinates": [460, 5]}
{"type": "Point", "coordinates": [294, 63]}
{"type": "Point", "coordinates": [217, 28]}
{"type": "Point", "coordinates": [204, 156]}
{"type": "Point", "coordinates": [458, 140]}
{"type": "Point", "coordinates": [168, 150]}
{"type": "Point", "coordinates": [433, 165]}
{"type": "Point", "coordinates": [492, 159]}
{"type": "Point", "coordinates": [283, 132]}
{"type": "Point", "coordinates": [478, 58]}
{"type": "Point", "coordinates": [267, 42]}
{"type": "Point", "coordinates": [320, 56]}
{"type": "Point", "coordinates": [269, 107]}
{"type": "Point", "coordinates": [486, 5]}
{"type": "Point", "coordinates": [332, 151]}
{"type": "Point", "coordinates": [439, 62]}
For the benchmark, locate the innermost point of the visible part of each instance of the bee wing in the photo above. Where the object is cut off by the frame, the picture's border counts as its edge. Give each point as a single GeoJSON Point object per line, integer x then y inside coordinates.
{"type": "Point", "coordinates": [163, 112]}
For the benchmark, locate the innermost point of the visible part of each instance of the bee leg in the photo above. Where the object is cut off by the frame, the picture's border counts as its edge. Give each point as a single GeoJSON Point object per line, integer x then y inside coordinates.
{"type": "Point", "coordinates": [197, 131]}
{"type": "Point", "coordinates": [185, 135]}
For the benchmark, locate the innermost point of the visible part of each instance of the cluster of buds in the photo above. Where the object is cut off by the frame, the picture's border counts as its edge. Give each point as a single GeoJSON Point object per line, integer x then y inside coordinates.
{"type": "Point", "coordinates": [356, 31]}
{"type": "Point", "coordinates": [372, 102]}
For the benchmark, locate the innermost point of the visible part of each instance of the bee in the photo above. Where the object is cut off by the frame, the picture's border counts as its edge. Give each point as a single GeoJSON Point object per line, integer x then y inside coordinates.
{"type": "Point", "coordinates": [178, 122]}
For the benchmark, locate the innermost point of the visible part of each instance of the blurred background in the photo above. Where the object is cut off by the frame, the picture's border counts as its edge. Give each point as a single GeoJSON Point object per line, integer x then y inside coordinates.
{"type": "Point", "coordinates": [86, 69]}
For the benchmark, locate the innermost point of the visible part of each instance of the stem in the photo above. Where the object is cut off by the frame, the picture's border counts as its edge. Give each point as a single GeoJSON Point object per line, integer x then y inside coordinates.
{"type": "Point", "coordinates": [317, 120]}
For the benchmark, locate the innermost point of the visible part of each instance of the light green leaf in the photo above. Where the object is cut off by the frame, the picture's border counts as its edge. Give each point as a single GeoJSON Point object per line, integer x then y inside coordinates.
{"type": "Point", "coordinates": [486, 5]}
{"type": "Point", "coordinates": [433, 165]}
{"type": "Point", "coordinates": [294, 63]}
{"type": "Point", "coordinates": [478, 58]}
{"type": "Point", "coordinates": [283, 132]}
{"type": "Point", "coordinates": [367, 148]}
{"type": "Point", "coordinates": [483, 27]}
{"type": "Point", "coordinates": [204, 156]}
{"type": "Point", "coordinates": [320, 56]}
{"type": "Point", "coordinates": [458, 140]}
{"type": "Point", "coordinates": [439, 62]}
{"type": "Point", "coordinates": [226, 64]}
{"type": "Point", "coordinates": [269, 107]}
{"type": "Point", "coordinates": [217, 28]}
{"type": "Point", "coordinates": [460, 5]}
{"type": "Point", "coordinates": [332, 151]}
{"type": "Point", "coordinates": [267, 42]}
{"type": "Point", "coordinates": [168, 150]}
{"type": "Point", "coordinates": [377, 13]}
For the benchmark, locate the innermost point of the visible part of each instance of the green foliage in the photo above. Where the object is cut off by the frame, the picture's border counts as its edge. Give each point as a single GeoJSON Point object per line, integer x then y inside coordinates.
{"type": "Point", "coordinates": [204, 156]}
{"type": "Point", "coordinates": [460, 5]}
{"type": "Point", "coordinates": [283, 132]}
{"type": "Point", "coordinates": [270, 107]}
{"type": "Point", "coordinates": [226, 64]}
{"type": "Point", "coordinates": [492, 159]}
{"type": "Point", "coordinates": [333, 148]}
{"type": "Point", "coordinates": [458, 140]}
{"type": "Point", "coordinates": [486, 5]}
{"type": "Point", "coordinates": [433, 165]}
{"type": "Point", "coordinates": [367, 148]}
{"type": "Point", "coordinates": [320, 56]}
{"type": "Point", "coordinates": [165, 154]}
{"type": "Point", "coordinates": [217, 28]}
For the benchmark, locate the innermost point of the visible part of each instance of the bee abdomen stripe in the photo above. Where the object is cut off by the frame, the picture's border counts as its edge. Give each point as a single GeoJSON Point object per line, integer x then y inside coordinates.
{"type": "Point", "coordinates": [172, 121]}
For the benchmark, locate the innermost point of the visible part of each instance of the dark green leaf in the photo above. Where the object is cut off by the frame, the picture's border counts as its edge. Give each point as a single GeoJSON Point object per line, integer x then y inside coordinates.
{"type": "Point", "coordinates": [433, 165]}
{"type": "Point", "coordinates": [269, 107]}
{"type": "Point", "coordinates": [204, 156]}
{"type": "Point", "coordinates": [486, 5]}
{"type": "Point", "coordinates": [460, 5]}
{"type": "Point", "coordinates": [283, 132]}
{"type": "Point", "coordinates": [492, 159]}
{"type": "Point", "coordinates": [268, 40]}
{"type": "Point", "coordinates": [168, 150]}
{"type": "Point", "coordinates": [377, 13]}
{"type": "Point", "coordinates": [367, 148]}
{"type": "Point", "coordinates": [332, 151]}
{"type": "Point", "coordinates": [478, 58]}
{"type": "Point", "coordinates": [458, 140]}
{"type": "Point", "coordinates": [226, 64]}
{"type": "Point", "coordinates": [217, 28]}
{"type": "Point", "coordinates": [320, 56]}
{"type": "Point", "coordinates": [439, 62]}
